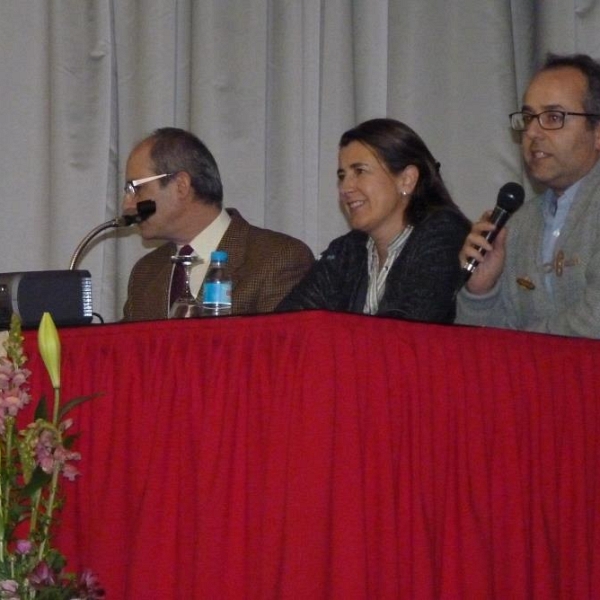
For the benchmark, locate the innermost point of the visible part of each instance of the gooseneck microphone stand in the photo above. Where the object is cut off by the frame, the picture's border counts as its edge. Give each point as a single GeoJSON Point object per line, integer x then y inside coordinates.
{"type": "Point", "coordinates": [145, 209]}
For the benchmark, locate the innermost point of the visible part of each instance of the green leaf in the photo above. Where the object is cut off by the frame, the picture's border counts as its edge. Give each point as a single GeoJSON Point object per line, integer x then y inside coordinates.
{"type": "Point", "coordinates": [56, 561]}
{"type": "Point", "coordinates": [38, 480]}
{"type": "Point", "coordinates": [41, 410]}
{"type": "Point", "coordinates": [71, 404]}
{"type": "Point", "coordinates": [68, 441]}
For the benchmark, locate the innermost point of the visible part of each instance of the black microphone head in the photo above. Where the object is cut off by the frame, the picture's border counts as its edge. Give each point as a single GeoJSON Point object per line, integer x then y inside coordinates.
{"type": "Point", "coordinates": [145, 209]}
{"type": "Point", "coordinates": [510, 197]}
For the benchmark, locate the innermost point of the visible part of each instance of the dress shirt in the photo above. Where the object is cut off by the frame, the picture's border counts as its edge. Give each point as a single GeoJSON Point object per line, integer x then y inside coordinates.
{"type": "Point", "coordinates": [555, 211]}
{"type": "Point", "coordinates": [203, 244]}
{"type": "Point", "coordinates": [378, 276]}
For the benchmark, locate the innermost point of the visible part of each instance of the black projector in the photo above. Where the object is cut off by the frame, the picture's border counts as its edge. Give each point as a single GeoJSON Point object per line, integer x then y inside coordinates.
{"type": "Point", "coordinates": [66, 295]}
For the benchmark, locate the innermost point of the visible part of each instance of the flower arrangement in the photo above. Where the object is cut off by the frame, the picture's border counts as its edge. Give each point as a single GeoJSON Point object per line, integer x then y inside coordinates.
{"type": "Point", "coordinates": [32, 460]}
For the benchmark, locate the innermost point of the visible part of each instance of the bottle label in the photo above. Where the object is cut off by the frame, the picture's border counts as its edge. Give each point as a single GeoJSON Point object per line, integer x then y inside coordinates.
{"type": "Point", "coordinates": [217, 293]}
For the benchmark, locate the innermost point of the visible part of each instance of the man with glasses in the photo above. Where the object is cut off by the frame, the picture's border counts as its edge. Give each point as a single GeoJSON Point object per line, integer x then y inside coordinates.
{"type": "Point", "coordinates": [542, 272]}
{"type": "Point", "coordinates": [176, 170]}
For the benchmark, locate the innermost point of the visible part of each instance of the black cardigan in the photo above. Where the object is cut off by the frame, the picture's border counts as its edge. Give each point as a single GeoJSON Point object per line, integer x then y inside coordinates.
{"type": "Point", "coordinates": [420, 286]}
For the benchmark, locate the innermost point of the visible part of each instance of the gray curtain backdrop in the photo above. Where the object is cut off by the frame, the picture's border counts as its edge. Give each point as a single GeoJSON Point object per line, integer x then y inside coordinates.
{"type": "Point", "coordinates": [269, 85]}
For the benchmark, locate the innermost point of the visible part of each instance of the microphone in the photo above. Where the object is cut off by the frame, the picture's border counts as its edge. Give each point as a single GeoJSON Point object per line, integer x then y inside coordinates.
{"type": "Point", "coordinates": [510, 198]}
{"type": "Point", "coordinates": [144, 209]}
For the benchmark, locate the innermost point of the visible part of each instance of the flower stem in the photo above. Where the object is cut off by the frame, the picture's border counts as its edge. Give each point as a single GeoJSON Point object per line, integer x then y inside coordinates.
{"type": "Point", "coordinates": [6, 485]}
{"type": "Point", "coordinates": [35, 507]}
{"type": "Point", "coordinates": [3, 509]}
{"type": "Point", "coordinates": [56, 406]}
{"type": "Point", "coordinates": [49, 510]}
{"type": "Point", "coordinates": [53, 484]}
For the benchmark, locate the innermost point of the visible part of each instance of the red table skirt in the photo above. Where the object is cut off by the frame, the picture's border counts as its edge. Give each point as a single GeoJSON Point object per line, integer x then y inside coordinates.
{"type": "Point", "coordinates": [320, 455]}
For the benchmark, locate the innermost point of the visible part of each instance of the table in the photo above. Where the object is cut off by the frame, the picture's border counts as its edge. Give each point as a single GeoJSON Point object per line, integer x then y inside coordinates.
{"type": "Point", "coordinates": [322, 455]}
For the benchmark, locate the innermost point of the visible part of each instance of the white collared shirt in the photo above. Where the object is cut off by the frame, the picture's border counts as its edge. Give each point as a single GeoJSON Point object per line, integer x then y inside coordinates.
{"type": "Point", "coordinates": [203, 244]}
{"type": "Point", "coordinates": [377, 276]}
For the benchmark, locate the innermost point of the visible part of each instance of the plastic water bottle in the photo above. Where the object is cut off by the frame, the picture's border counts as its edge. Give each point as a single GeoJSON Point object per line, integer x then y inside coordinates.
{"type": "Point", "coordinates": [216, 290]}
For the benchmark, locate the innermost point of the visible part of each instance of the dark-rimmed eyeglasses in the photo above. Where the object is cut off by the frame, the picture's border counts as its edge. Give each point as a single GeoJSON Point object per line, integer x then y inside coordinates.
{"type": "Point", "coordinates": [133, 186]}
{"type": "Point", "coordinates": [548, 119]}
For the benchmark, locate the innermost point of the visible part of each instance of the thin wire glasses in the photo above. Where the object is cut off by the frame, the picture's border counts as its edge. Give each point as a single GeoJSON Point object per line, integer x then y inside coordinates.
{"type": "Point", "coordinates": [548, 119]}
{"type": "Point", "coordinates": [132, 187]}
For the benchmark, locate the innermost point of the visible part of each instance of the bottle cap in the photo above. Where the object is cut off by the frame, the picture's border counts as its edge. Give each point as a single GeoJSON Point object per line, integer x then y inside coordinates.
{"type": "Point", "coordinates": [218, 255]}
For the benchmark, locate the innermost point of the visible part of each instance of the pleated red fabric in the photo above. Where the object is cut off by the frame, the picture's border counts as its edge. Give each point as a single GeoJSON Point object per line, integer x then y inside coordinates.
{"type": "Point", "coordinates": [320, 455]}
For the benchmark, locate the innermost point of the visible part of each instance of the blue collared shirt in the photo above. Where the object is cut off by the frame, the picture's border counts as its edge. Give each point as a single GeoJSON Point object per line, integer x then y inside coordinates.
{"type": "Point", "coordinates": [555, 211]}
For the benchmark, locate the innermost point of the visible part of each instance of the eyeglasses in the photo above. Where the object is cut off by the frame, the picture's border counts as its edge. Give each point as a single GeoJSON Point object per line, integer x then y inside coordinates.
{"type": "Point", "coordinates": [133, 186]}
{"type": "Point", "coordinates": [548, 119]}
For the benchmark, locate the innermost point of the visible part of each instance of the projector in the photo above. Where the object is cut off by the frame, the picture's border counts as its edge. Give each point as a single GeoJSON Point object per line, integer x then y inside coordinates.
{"type": "Point", "coordinates": [66, 295]}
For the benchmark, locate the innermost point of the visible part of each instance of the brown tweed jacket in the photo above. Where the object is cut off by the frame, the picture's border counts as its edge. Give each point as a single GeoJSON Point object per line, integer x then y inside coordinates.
{"type": "Point", "coordinates": [264, 266]}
